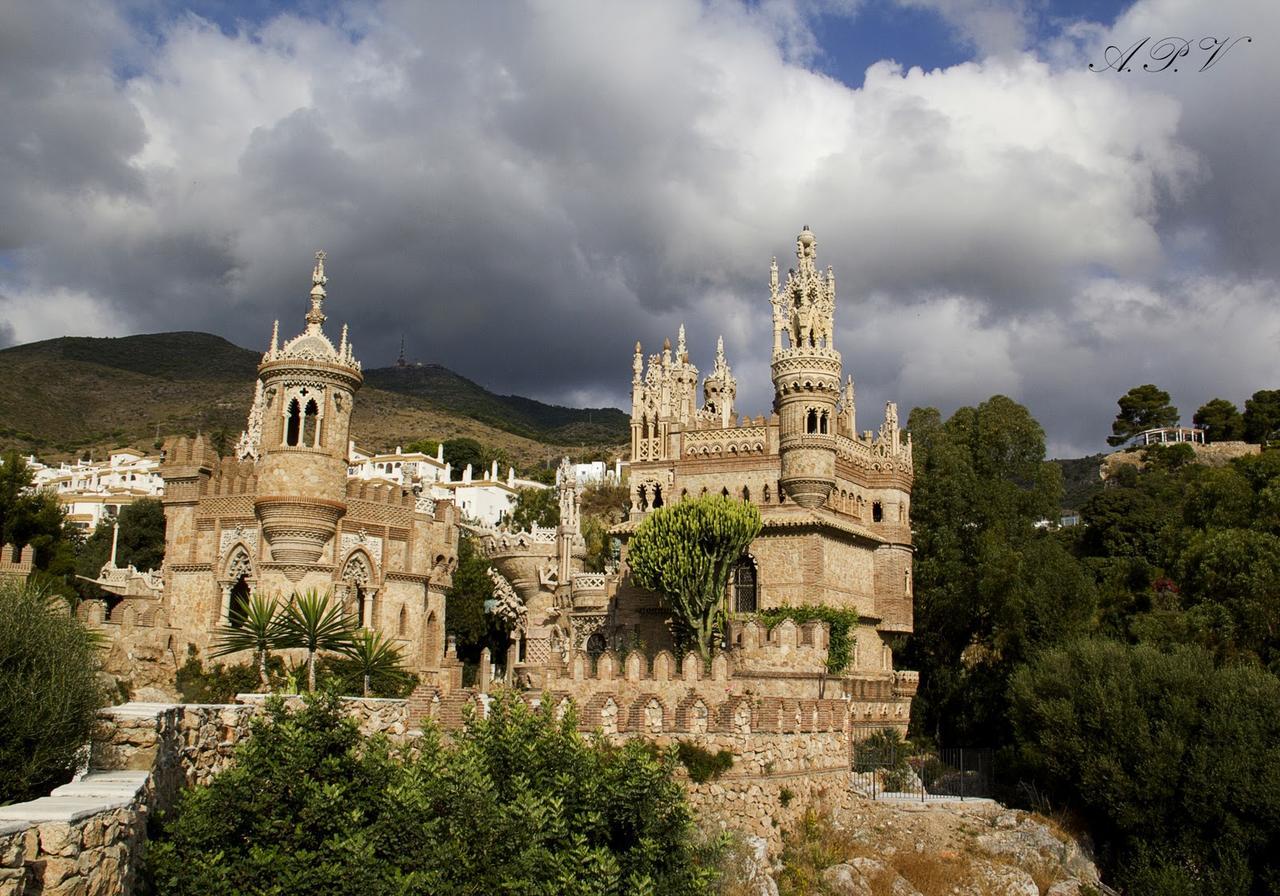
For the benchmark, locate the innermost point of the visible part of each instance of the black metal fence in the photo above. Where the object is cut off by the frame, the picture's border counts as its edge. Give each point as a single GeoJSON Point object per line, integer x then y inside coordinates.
{"type": "Point", "coordinates": [886, 767]}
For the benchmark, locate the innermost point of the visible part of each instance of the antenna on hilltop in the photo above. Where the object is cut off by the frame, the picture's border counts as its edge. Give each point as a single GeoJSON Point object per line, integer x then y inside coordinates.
{"type": "Point", "coordinates": [400, 362]}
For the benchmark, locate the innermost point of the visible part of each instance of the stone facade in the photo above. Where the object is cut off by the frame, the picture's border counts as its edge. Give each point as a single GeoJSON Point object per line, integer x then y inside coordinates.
{"type": "Point", "coordinates": [284, 516]}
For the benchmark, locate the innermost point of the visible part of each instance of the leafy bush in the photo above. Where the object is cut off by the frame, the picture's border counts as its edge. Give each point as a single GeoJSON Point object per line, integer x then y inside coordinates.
{"type": "Point", "coordinates": [839, 622]}
{"type": "Point", "coordinates": [221, 683]}
{"type": "Point", "coordinates": [1171, 761]}
{"type": "Point", "coordinates": [702, 764]}
{"type": "Point", "coordinates": [516, 803]}
{"type": "Point", "coordinates": [49, 691]}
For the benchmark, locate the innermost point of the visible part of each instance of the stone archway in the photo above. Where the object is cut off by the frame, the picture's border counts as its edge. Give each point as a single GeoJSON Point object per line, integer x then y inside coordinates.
{"type": "Point", "coordinates": [237, 586]}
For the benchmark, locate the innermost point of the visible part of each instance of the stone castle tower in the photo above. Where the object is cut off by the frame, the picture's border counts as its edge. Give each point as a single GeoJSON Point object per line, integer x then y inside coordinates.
{"type": "Point", "coordinates": [806, 375]}
{"type": "Point", "coordinates": [306, 388]}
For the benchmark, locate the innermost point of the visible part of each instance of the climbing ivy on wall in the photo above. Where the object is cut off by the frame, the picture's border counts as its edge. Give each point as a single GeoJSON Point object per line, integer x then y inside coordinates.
{"type": "Point", "coordinates": [840, 622]}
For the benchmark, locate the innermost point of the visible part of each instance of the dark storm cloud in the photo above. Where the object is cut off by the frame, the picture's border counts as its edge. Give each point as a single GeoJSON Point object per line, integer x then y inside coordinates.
{"type": "Point", "coordinates": [523, 192]}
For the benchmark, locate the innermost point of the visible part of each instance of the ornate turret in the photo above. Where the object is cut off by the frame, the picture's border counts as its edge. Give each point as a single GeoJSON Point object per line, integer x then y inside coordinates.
{"type": "Point", "coordinates": [806, 375]}
{"type": "Point", "coordinates": [303, 420]}
{"type": "Point", "coordinates": [662, 395]}
{"type": "Point", "coordinates": [719, 389]}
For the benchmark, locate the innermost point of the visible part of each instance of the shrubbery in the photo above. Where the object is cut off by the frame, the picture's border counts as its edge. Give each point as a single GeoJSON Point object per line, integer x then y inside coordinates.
{"type": "Point", "coordinates": [517, 803]}
{"type": "Point", "coordinates": [1173, 762]}
{"type": "Point", "coordinates": [839, 624]}
{"type": "Point", "coordinates": [49, 691]}
{"type": "Point", "coordinates": [703, 765]}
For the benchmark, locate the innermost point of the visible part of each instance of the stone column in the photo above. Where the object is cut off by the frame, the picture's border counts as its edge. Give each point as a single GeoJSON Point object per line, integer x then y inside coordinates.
{"type": "Point", "coordinates": [225, 618]}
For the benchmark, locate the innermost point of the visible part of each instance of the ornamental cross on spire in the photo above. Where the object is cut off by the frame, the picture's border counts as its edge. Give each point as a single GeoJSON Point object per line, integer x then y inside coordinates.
{"type": "Point", "coordinates": [315, 317]}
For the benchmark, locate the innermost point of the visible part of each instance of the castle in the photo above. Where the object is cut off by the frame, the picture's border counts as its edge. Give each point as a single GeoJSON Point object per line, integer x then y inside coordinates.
{"type": "Point", "coordinates": [835, 507]}
{"type": "Point", "coordinates": [284, 516]}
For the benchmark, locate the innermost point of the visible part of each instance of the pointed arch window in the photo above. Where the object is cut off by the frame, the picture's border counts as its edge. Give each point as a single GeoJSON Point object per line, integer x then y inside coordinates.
{"type": "Point", "coordinates": [811, 421]}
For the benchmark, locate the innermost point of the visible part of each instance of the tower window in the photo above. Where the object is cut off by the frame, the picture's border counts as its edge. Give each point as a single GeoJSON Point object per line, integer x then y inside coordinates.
{"type": "Point", "coordinates": [822, 423]}
{"type": "Point", "coordinates": [293, 425]}
{"type": "Point", "coordinates": [311, 423]}
{"type": "Point", "coordinates": [811, 421]}
{"type": "Point", "coordinates": [657, 497]}
{"type": "Point", "coordinates": [877, 512]}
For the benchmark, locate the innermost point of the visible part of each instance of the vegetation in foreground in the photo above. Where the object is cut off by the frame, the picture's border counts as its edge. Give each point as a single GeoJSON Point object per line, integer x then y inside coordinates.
{"type": "Point", "coordinates": [49, 691]}
{"type": "Point", "coordinates": [516, 803]}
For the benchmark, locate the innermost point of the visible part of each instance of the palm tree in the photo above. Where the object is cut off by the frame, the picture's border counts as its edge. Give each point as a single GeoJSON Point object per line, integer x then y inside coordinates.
{"type": "Point", "coordinates": [375, 657]}
{"type": "Point", "coordinates": [261, 630]}
{"type": "Point", "coordinates": [314, 622]}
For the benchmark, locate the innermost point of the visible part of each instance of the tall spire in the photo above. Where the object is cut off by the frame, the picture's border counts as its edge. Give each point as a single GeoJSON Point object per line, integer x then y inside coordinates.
{"type": "Point", "coordinates": [275, 337]}
{"type": "Point", "coordinates": [400, 362]}
{"type": "Point", "coordinates": [681, 350]}
{"type": "Point", "coordinates": [315, 317]}
{"type": "Point", "coordinates": [719, 351]}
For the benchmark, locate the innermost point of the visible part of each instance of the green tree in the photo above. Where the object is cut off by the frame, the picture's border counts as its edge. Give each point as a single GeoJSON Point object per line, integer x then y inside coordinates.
{"type": "Point", "coordinates": [377, 662]}
{"type": "Point", "coordinates": [536, 507]}
{"type": "Point", "coordinates": [1141, 408]}
{"type": "Point", "coordinates": [1262, 416]}
{"type": "Point", "coordinates": [314, 622]}
{"type": "Point", "coordinates": [141, 543]}
{"type": "Point", "coordinates": [261, 630]}
{"type": "Point", "coordinates": [1238, 570]}
{"type": "Point", "coordinates": [464, 614]}
{"type": "Point", "coordinates": [49, 691]}
{"type": "Point", "coordinates": [1221, 421]}
{"type": "Point", "coordinates": [30, 517]}
{"type": "Point", "coordinates": [462, 451]}
{"type": "Point", "coordinates": [1171, 761]}
{"type": "Point", "coordinates": [422, 446]}
{"type": "Point", "coordinates": [685, 552]}
{"type": "Point", "coordinates": [517, 802]}
{"type": "Point", "coordinates": [990, 587]}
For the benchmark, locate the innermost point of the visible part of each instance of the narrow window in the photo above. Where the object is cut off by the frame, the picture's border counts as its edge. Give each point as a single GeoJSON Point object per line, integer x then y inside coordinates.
{"type": "Point", "coordinates": [744, 586]}
{"type": "Point", "coordinates": [311, 423]}
{"type": "Point", "coordinates": [811, 422]}
{"type": "Point", "coordinates": [239, 602]}
{"type": "Point", "coordinates": [822, 423]}
{"type": "Point", "coordinates": [877, 512]}
{"type": "Point", "coordinates": [403, 626]}
{"type": "Point", "coordinates": [359, 606]}
{"type": "Point", "coordinates": [766, 494]}
{"type": "Point", "coordinates": [746, 494]}
{"type": "Point", "coordinates": [294, 424]}
{"type": "Point", "coordinates": [657, 497]}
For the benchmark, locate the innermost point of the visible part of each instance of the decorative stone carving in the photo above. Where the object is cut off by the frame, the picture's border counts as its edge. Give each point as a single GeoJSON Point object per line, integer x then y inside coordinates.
{"type": "Point", "coordinates": [371, 544]}
{"type": "Point", "coordinates": [238, 535]}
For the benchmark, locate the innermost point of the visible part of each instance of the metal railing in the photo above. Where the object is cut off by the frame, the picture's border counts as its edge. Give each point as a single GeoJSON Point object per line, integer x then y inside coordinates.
{"type": "Point", "coordinates": [886, 767]}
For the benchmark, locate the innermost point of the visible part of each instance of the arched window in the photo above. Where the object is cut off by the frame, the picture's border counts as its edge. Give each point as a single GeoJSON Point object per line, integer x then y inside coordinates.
{"type": "Point", "coordinates": [642, 497]}
{"type": "Point", "coordinates": [822, 423]}
{"type": "Point", "coordinates": [811, 421]}
{"type": "Point", "coordinates": [311, 423]}
{"type": "Point", "coordinates": [743, 583]}
{"type": "Point", "coordinates": [766, 493]}
{"type": "Point", "coordinates": [746, 494]}
{"type": "Point", "coordinates": [657, 497]}
{"type": "Point", "coordinates": [402, 628]}
{"type": "Point", "coordinates": [877, 512]}
{"type": "Point", "coordinates": [596, 645]}
{"type": "Point", "coordinates": [724, 492]}
{"type": "Point", "coordinates": [293, 426]}
{"type": "Point", "coordinates": [239, 602]}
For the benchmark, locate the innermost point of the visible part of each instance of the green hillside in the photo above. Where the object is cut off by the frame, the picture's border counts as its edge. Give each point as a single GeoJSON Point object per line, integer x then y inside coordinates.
{"type": "Point", "coordinates": [68, 395]}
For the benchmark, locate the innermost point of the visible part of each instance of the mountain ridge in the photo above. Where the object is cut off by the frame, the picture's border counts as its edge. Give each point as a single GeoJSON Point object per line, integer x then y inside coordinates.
{"type": "Point", "coordinates": [72, 393]}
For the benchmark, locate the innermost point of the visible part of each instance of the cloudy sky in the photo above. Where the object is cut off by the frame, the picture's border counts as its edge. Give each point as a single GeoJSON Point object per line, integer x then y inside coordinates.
{"type": "Point", "coordinates": [523, 190]}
